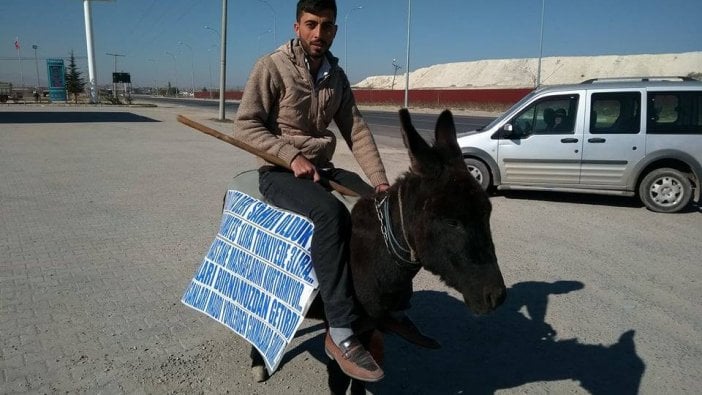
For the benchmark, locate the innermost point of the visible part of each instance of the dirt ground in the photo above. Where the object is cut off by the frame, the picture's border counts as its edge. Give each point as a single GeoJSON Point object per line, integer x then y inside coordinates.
{"type": "Point", "coordinates": [103, 225]}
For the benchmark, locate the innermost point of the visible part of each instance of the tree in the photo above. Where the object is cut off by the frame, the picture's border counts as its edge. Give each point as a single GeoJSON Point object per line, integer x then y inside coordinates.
{"type": "Point", "coordinates": [74, 83]}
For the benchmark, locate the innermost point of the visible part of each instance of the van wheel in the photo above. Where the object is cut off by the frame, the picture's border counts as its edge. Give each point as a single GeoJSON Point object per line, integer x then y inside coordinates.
{"type": "Point", "coordinates": [665, 190]}
{"type": "Point", "coordinates": [479, 171]}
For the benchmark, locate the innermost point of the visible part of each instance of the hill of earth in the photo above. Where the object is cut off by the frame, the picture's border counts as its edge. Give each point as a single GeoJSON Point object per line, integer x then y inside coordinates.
{"type": "Point", "coordinates": [521, 73]}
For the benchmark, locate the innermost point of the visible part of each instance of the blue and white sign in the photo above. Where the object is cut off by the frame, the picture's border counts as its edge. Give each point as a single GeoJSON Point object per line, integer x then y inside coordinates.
{"type": "Point", "coordinates": [57, 79]}
{"type": "Point", "coordinates": [257, 277]}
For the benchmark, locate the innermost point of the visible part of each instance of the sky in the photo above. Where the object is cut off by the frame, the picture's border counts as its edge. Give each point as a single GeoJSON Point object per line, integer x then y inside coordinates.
{"type": "Point", "coordinates": [149, 32]}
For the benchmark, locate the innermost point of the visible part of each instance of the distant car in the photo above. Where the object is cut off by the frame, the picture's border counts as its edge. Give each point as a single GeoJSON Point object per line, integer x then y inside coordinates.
{"type": "Point", "coordinates": [624, 136]}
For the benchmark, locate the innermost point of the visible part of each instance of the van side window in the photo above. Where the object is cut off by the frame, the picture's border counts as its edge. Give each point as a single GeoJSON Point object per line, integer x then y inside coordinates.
{"type": "Point", "coordinates": [674, 113]}
{"type": "Point", "coordinates": [615, 113]}
{"type": "Point", "coordinates": [551, 115]}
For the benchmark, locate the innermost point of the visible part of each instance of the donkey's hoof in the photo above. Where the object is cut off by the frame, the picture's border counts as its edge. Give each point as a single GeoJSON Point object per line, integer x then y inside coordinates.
{"type": "Point", "coordinates": [260, 374]}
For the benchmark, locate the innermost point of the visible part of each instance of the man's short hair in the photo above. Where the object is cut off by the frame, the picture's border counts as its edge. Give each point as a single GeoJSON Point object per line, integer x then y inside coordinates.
{"type": "Point", "coordinates": [315, 7]}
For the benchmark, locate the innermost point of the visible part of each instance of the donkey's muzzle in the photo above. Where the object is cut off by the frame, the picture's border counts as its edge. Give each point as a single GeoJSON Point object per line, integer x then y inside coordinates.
{"type": "Point", "coordinates": [494, 296]}
{"type": "Point", "coordinates": [488, 299]}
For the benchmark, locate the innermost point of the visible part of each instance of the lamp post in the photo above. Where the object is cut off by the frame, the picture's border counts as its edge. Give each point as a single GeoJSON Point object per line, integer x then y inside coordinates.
{"type": "Point", "coordinates": [397, 67]}
{"type": "Point", "coordinates": [209, 68]}
{"type": "Point", "coordinates": [114, 85]}
{"type": "Point", "coordinates": [223, 61]}
{"type": "Point", "coordinates": [192, 66]}
{"type": "Point", "coordinates": [273, 12]}
{"type": "Point", "coordinates": [36, 64]}
{"type": "Point", "coordinates": [175, 67]}
{"type": "Point", "coordinates": [258, 46]}
{"type": "Point", "coordinates": [541, 44]}
{"type": "Point", "coordinates": [156, 73]}
{"type": "Point", "coordinates": [218, 40]}
{"type": "Point", "coordinates": [346, 37]}
{"type": "Point", "coordinates": [407, 64]}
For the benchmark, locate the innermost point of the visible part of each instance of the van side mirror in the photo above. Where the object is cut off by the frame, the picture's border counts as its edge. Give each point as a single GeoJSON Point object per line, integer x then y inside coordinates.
{"type": "Point", "coordinates": [504, 132]}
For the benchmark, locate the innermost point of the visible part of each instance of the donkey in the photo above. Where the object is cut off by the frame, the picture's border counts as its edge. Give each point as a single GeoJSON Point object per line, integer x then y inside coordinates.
{"type": "Point", "coordinates": [435, 216]}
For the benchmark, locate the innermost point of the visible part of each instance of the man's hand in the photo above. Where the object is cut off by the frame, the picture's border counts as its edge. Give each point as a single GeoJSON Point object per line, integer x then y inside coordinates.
{"type": "Point", "coordinates": [381, 188]}
{"type": "Point", "coordinates": [303, 168]}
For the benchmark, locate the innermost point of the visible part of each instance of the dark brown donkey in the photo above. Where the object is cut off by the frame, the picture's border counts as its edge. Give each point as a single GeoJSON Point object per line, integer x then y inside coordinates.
{"type": "Point", "coordinates": [436, 217]}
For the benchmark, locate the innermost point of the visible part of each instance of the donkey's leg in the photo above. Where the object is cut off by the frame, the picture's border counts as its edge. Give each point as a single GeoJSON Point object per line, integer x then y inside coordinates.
{"type": "Point", "coordinates": [258, 366]}
{"type": "Point", "coordinates": [337, 380]}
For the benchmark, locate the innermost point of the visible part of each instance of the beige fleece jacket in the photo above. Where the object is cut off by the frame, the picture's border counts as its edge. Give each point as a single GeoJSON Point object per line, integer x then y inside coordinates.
{"type": "Point", "coordinates": [283, 114]}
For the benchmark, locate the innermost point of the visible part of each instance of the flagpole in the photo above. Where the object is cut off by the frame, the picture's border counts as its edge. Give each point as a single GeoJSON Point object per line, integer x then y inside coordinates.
{"type": "Point", "coordinates": [19, 59]}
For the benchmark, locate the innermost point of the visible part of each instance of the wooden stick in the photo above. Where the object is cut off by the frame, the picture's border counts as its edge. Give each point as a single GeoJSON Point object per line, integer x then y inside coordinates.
{"type": "Point", "coordinates": [261, 154]}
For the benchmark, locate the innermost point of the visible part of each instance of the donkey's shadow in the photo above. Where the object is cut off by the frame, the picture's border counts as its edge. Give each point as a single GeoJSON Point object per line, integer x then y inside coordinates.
{"type": "Point", "coordinates": [502, 350]}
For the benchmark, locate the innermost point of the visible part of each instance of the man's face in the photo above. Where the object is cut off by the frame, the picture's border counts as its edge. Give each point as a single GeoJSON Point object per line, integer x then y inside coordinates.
{"type": "Point", "coordinates": [316, 32]}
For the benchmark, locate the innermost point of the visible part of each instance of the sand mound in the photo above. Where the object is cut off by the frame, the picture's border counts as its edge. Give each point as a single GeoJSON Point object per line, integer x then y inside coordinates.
{"type": "Point", "coordinates": [520, 73]}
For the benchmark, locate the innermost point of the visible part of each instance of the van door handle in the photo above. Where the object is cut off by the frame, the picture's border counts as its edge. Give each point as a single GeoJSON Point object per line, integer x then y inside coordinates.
{"type": "Point", "coordinates": [569, 140]}
{"type": "Point", "coordinates": [596, 140]}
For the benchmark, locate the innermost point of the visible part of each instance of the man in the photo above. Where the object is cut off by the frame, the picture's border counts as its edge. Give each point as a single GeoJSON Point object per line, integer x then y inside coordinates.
{"type": "Point", "coordinates": [290, 99]}
{"type": "Point", "coordinates": [559, 121]}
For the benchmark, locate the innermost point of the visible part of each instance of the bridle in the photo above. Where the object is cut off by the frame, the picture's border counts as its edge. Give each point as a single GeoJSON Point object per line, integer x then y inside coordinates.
{"type": "Point", "coordinates": [405, 257]}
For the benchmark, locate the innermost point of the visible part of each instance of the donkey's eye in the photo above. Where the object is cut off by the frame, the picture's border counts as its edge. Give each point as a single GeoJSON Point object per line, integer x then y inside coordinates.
{"type": "Point", "coordinates": [453, 223]}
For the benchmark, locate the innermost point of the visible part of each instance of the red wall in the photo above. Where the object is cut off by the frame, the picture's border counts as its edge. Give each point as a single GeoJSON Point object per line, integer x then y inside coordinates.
{"type": "Point", "coordinates": [420, 97]}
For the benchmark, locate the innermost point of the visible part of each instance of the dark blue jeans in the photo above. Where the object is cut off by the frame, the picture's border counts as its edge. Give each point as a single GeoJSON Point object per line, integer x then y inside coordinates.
{"type": "Point", "coordinates": [332, 231]}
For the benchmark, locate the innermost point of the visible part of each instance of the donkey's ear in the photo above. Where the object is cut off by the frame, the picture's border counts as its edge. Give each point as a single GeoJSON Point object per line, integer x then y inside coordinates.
{"type": "Point", "coordinates": [445, 136]}
{"type": "Point", "coordinates": [422, 159]}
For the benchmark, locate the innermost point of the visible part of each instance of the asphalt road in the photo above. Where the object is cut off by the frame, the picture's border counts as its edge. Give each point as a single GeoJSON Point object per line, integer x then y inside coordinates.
{"type": "Point", "coordinates": [106, 212]}
{"type": "Point", "coordinates": [382, 123]}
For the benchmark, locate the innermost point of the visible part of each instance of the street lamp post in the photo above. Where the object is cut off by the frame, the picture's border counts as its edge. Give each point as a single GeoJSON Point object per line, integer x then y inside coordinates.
{"type": "Point", "coordinates": [155, 73]}
{"type": "Point", "coordinates": [346, 37]}
{"type": "Point", "coordinates": [273, 12]}
{"type": "Point", "coordinates": [218, 40]}
{"type": "Point", "coordinates": [223, 61]}
{"type": "Point", "coordinates": [407, 63]}
{"type": "Point", "coordinates": [114, 85]}
{"type": "Point", "coordinates": [396, 67]}
{"type": "Point", "coordinates": [209, 68]}
{"type": "Point", "coordinates": [192, 66]}
{"type": "Point", "coordinates": [36, 64]}
{"type": "Point", "coordinates": [175, 67]}
{"type": "Point", "coordinates": [541, 44]}
{"type": "Point", "coordinates": [258, 46]}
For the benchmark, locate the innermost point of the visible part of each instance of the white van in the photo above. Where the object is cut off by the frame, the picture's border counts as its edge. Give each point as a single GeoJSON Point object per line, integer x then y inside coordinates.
{"type": "Point", "coordinates": [608, 136]}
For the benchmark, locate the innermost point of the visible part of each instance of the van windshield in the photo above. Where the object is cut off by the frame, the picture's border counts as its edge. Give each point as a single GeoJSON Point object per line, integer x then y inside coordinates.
{"type": "Point", "coordinates": [509, 111]}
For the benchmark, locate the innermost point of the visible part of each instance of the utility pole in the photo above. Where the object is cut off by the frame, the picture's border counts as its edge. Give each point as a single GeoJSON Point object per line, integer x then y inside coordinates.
{"type": "Point", "coordinates": [407, 71]}
{"type": "Point", "coordinates": [192, 66]}
{"type": "Point", "coordinates": [223, 61]}
{"type": "Point", "coordinates": [346, 38]}
{"type": "Point", "coordinates": [36, 64]}
{"type": "Point", "coordinates": [274, 17]}
{"type": "Point", "coordinates": [397, 67]}
{"type": "Point", "coordinates": [114, 85]}
{"type": "Point", "coordinates": [541, 44]}
{"type": "Point", "coordinates": [92, 75]}
{"type": "Point", "coordinates": [19, 59]}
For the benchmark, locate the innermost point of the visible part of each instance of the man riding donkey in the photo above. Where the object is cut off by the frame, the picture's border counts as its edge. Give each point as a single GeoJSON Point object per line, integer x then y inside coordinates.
{"type": "Point", "coordinates": [291, 97]}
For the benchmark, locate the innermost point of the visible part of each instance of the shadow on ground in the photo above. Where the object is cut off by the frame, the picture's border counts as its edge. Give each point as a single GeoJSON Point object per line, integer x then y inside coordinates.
{"type": "Point", "coordinates": [502, 350]}
{"type": "Point", "coordinates": [71, 117]}
{"type": "Point", "coordinates": [591, 199]}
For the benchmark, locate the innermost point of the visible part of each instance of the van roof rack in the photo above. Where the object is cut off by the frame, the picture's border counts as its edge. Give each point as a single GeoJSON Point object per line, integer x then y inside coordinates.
{"type": "Point", "coordinates": [637, 79]}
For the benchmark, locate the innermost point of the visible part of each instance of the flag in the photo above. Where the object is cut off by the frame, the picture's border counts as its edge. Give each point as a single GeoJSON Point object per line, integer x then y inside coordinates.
{"type": "Point", "coordinates": [17, 46]}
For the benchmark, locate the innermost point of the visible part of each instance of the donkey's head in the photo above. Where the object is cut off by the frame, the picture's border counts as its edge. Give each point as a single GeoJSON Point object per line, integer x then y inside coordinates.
{"type": "Point", "coordinates": [450, 216]}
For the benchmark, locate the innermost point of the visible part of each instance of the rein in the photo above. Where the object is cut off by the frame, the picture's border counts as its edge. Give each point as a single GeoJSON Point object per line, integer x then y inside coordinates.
{"type": "Point", "coordinates": [406, 258]}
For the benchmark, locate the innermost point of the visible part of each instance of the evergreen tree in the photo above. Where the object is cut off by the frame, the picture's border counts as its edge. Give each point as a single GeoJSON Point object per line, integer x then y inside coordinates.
{"type": "Point", "coordinates": [74, 83]}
